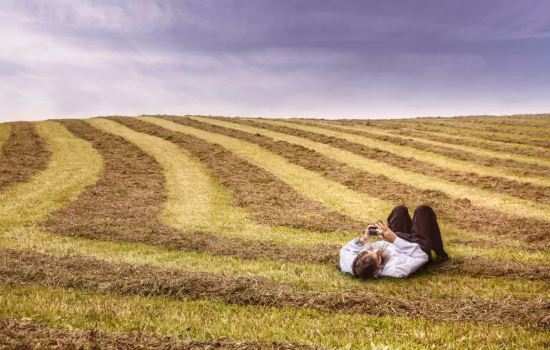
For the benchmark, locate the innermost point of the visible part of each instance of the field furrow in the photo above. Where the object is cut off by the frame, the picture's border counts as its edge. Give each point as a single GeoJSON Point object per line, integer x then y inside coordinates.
{"type": "Point", "coordinates": [133, 185]}
{"type": "Point", "coordinates": [73, 165]}
{"type": "Point", "coordinates": [404, 151]}
{"type": "Point", "coordinates": [426, 133]}
{"type": "Point", "coordinates": [540, 120]}
{"type": "Point", "coordinates": [494, 135]}
{"type": "Point", "coordinates": [521, 164]}
{"type": "Point", "coordinates": [24, 334]}
{"type": "Point", "coordinates": [201, 232]}
{"type": "Point", "coordinates": [23, 268]}
{"type": "Point", "coordinates": [514, 188]}
{"type": "Point", "coordinates": [529, 132]}
{"type": "Point", "coordinates": [190, 319]}
{"type": "Point", "coordinates": [355, 172]}
{"type": "Point", "coordinates": [23, 154]}
{"type": "Point", "coordinates": [268, 199]}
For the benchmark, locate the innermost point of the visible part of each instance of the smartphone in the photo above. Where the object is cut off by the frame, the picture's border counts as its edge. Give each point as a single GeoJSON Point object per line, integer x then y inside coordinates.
{"type": "Point", "coordinates": [373, 231]}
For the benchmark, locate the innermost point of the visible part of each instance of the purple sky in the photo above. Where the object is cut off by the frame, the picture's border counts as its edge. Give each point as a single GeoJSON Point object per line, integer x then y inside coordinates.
{"type": "Point", "coordinates": [71, 58]}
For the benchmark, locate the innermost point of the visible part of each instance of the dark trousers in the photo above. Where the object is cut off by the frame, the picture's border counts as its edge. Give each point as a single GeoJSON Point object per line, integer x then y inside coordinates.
{"type": "Point", "coordinates": [422, 229]}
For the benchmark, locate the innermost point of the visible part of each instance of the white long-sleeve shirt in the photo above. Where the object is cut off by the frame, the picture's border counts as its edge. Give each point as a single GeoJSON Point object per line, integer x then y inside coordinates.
{"type": "Point", "coordinates": [405, 257]}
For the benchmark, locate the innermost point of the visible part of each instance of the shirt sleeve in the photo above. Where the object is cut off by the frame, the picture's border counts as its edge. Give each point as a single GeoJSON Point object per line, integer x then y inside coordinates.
{"type": "Point", "coordinates": [348, 253]}
{"type": "Point", "coordinates": [411, 258]}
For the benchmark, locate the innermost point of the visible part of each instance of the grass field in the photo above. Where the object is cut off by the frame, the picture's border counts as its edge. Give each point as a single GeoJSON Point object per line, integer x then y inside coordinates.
{"type": "Point", "coordinates": [210, 232]}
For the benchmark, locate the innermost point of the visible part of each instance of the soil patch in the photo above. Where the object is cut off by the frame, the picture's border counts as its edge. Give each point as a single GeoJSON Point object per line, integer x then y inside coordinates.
{"type": "Point", "coordinates": [24, 268]}
{"type": "Point", "coordinates": [452, 210]}
{"type": "Point", "coordinates": [23, 155]}
{"type": "Point", "coordinates": [22, 334]}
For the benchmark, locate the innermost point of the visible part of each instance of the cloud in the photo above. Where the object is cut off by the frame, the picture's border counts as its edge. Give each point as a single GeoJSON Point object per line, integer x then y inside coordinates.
{"type": "Point", "coordinates": [85, 58]}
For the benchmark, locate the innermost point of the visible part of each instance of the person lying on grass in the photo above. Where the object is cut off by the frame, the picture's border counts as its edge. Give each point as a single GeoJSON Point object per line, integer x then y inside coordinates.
{"type": "Point", "coordinates": [406, 245]}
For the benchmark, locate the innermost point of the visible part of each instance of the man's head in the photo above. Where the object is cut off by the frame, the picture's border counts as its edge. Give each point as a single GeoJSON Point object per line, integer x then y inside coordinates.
{"type": "Point", "coordinates": [367, 263]}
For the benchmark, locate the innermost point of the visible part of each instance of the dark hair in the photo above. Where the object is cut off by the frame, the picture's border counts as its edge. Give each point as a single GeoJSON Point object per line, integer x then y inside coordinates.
{"type": "Point", "coordinates": [363, 268]}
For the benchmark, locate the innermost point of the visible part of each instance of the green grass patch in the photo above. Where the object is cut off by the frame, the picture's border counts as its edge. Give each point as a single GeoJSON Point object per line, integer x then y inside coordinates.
{"type": "Point", "coordinates": [209, 320]}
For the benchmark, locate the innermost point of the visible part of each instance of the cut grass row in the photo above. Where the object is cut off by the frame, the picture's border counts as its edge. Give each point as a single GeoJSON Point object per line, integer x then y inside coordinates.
{"type": "Point", "coordinates": [426, 133]}
{"type": "Point", "coordinates": [330, 161]}
{"type": "Point", "coordinates": [495, 135]}
{"type": "Point", "coordinates": [25, 334]}
{"type": "Point", "coordinates": [268, 199]}
{"type": "Point", "coordinates": [95, 226]}
{"type": "Point", "coordinates": [404, 151]}
{"type": "Point", "coordinates": [133, 186]}
{"type": "Point", "coordinates": [523, 190]}
{"type": "Point", "coordinates": [22, 155]}
{"type": "Point", "coordinates": [468, 153]}
{"type": "Point", "coordinates": [185, 188]}
{"type": "Point", "coordinates": [302, 276]}
{"type": "Point", "coordinates": [537, 120]}
{"type": "Point", "coordinates": [209, 320]}
{"type": "Point", "coordinates": [332, 194]}
{"type": "Point", "coordinates": [535, 132]}
{"type": "Point", "coordinates": [29, 202]}
{"type": "Point", "coordinates": [26, 238]}
{"type": "Point", "coordinates": [24, 268]}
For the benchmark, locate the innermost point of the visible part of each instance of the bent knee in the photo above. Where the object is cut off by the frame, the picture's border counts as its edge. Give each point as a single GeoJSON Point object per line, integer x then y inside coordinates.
{"type": "Point", "coordinates": [401, 208]}
{"type": "Point", "coordinates": [423, 209]}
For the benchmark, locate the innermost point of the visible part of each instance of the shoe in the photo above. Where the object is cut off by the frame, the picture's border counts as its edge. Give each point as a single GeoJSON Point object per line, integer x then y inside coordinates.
{"type": "Point", "coordinates": [441, 258]}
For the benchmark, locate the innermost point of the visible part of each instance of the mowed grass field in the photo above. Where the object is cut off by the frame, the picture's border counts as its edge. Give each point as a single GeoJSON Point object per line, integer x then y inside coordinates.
{"type": "Point", "coordinates": [212, 232]}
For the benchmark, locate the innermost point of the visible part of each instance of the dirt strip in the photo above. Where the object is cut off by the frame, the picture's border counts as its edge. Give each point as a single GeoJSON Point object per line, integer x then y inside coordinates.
{"type": "Point", "coordinates": [449, 209]}
{"type": "Point", "coordinates": [268, 199]}
{"type": "Point", "coordinates": [23, 155]}
{"type": "Point", "coordinates": [25, 268]}
{"type": "Point", "coordinates": [23, 334]}
{"type": "Point", "coordinates": [508, 164]}
{"type": "Point", "coordinates": [426, 133]}
{"type": "Point", "coordinates": [124, 204]}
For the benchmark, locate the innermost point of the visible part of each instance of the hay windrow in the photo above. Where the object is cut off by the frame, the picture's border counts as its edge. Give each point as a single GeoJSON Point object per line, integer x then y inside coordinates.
{"type": "Point", "coordinates": [23, 268]}
{"type": "Point", "coordinates": [124, 205]}
{"type": "Point", "coordinates": [494, 135]}
{"type": "Point", "coordinates": [25, 334]}
{"type": "Point", "coordinates": [24, 154]}
{"type": "Point", "coordinates": [520, 189]}
{"type": "Point", "coordinates": [269, 200]}
{"type": "Point", "coordinates": [524, 131]}
{"type": "Point", "coordinates": [511, 165]}
{"type": "Point", "coordinates": [421, 131]}
{"type": "Point", "coordinates": [451, 210]}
